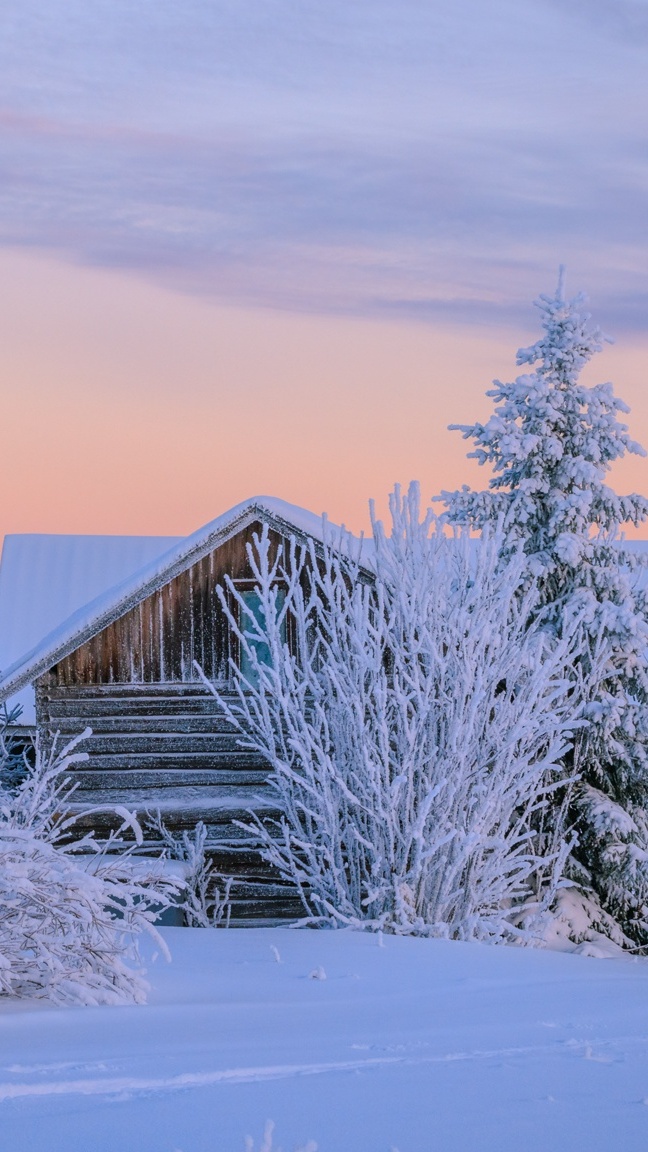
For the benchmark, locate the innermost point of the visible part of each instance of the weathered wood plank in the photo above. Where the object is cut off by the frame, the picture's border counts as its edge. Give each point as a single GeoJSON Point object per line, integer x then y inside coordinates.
{"type": "Point", "coordinates": [262, 889]}
{"type": "Point", "coordinates": [229, 760]}
{"type": "Point", "coordinates": [283, 908]}
{"type": "Point", "coordinates": [221, 804]}
{"type": "Point", "coordinates": [164, 743]}
{"type": "Point", "coordinates": [239, 860]}
{"type": "Point", "coordinates": [135, 706]}
{"type": "Point", "coordinates": [141, 725]}
{"type": "Point", "coordinates": [160, 637]}
{"type": "Point", "coordinates": [227, 797]}
{"type": "Point", "coordinates": [165, 688]}
{"type": "Point", "coordinates": [261, 913]}
{"type": "Point", "coordinates": [261, 922]}
{"type": "Point", "coordinates": [221, 830]}
{"type": "Point", "coordinates": [114, 780]}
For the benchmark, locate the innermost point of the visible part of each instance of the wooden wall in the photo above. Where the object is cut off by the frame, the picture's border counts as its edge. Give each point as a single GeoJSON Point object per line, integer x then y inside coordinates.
{"type": "Point", "coordinates": [159, 740]}
{"type": "Point", "coordinates": [158, 640]}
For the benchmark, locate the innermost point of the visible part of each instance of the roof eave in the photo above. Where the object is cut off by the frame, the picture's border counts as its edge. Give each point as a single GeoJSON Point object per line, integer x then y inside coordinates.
{"type": "Point", "coordinates": [28, 670]}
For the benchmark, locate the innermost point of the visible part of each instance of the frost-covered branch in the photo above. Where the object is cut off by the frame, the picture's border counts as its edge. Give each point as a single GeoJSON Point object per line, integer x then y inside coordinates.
{"type": "Point", "coordinates": [71, 911]}
{"type": "Point", "coordinates": [203, 903]}
{"type": "Point", "coordinates": [414, 725]}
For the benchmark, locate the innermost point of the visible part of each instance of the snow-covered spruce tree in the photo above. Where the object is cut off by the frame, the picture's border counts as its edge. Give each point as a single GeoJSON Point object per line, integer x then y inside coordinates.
{"type": "Point", "coordinates": [71, 913]}
{"type": "Point", "coordinates": [550, 443]}
{"type": "Point", "coordinates": [414, 726]}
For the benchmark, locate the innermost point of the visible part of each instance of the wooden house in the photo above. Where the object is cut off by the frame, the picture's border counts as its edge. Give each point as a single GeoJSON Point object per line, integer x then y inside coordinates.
{"type": "Point", "coordinates": [123, 664]}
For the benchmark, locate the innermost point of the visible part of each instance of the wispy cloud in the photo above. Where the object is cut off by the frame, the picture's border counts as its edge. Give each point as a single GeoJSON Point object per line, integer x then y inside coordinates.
{"type": "Point", "coordinates": [412, 159]}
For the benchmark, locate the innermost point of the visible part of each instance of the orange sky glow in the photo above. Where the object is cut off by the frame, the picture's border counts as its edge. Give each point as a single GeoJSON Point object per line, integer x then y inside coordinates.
{"type": "Point", "coordinates": [129, 408]}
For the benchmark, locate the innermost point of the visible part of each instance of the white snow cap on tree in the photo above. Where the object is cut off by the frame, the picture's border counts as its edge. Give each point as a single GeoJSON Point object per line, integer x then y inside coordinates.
{"type": "Point", "coordinates": [550, 443]}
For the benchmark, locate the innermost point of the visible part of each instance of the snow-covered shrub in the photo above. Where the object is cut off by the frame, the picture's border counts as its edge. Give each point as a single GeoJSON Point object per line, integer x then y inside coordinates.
{"type": "Point", "coordinates": [203, 903]}
{"type": "Point", "coordinates": [579, 924]}
{"type": "Point", "coordinates": [414, 726]}
{"type": "Point", "coordinates": [70, 912]}
{"type": "Point", "coordinates": [550, 443]}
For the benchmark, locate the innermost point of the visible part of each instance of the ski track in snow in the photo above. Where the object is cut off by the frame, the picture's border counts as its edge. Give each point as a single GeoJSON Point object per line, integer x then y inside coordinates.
{"type": "Point", "coordinates": [143, 1085]}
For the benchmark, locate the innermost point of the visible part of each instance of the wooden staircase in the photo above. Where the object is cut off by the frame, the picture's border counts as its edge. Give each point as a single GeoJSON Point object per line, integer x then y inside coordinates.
{"type": "Point", "coordinates": [168, 748]}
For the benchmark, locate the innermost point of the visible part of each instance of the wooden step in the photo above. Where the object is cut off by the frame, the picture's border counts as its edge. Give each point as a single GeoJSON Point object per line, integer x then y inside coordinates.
{"type": "Point", "coordinates": [207, 778]}
{"type": "Point", "coordinates": [163, 743]}
{"type": "Point", "coordinates": [167, 689]}
{"type": "Point", "coordinates": [229, 761]}
{"type": "Point", "coordinates": [122, 725]}
{"type": "Point", "coordinates": [253, 889]}
{"type": "Point", "coordinates": [85, 710]}
{"type": "Point", "coordinates": [222, 831]}
{"type": "Point", "coordinates": [220, 803]}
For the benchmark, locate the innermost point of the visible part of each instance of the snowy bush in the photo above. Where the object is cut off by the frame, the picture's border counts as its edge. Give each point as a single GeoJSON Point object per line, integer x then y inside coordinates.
{"type": "Point", "coordinates": [203, 903]}
{"type": "Point", "coordinates": [70, 912]}
{"type": "Point", "coordinates": [415, 725]}
{"type": "Point", "coordinates": [550, 443]}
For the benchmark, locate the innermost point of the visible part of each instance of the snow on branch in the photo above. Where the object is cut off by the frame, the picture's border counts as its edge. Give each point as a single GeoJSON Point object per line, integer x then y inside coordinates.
{"type": "Point", "coordinates": [414, 724]}
{"type": "Point", "coordinates": [71, 911]}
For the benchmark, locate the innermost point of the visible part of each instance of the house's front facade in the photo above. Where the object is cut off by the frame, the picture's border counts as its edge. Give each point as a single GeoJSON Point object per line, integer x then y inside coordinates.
{"type": "Point", "coordinates": [124, 665]}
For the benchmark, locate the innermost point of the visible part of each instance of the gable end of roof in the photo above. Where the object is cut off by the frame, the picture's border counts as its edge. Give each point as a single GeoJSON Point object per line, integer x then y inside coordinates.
{"type": "Point", "coordinates": [101, 612]}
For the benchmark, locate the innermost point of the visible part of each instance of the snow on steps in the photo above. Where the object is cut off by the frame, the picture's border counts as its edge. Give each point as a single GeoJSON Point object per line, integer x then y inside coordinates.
{"type": "Point", "coordinates": [168, 747]}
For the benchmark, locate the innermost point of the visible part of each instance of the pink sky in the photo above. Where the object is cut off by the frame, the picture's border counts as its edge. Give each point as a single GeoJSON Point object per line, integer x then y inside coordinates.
{"type": "Point", "coordinates": [252, 249]}
{"type": "Point", "coordinates": [130, 408]}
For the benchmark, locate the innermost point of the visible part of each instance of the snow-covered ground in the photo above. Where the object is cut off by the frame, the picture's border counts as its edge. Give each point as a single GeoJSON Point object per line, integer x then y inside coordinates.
{"type": "Point", "coordinates": [420, 1046]}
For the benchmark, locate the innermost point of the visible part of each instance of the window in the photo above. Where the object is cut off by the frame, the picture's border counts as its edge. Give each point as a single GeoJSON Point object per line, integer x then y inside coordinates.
{"type": "Point", "coordinates": [254, 609]}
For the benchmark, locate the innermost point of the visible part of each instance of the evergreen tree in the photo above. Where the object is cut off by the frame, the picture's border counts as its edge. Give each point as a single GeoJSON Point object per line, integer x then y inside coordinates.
{"type": "Point", "coordinates": [550, 443]}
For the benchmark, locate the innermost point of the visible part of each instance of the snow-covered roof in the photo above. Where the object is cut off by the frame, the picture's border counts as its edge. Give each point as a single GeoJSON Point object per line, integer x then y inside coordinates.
{"type": "Point", "coordinates": [56, 592]}
{"type": "Point", "coordinates": [45, 578]}
{"type": "Point", "coordinates": [59, 632]}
